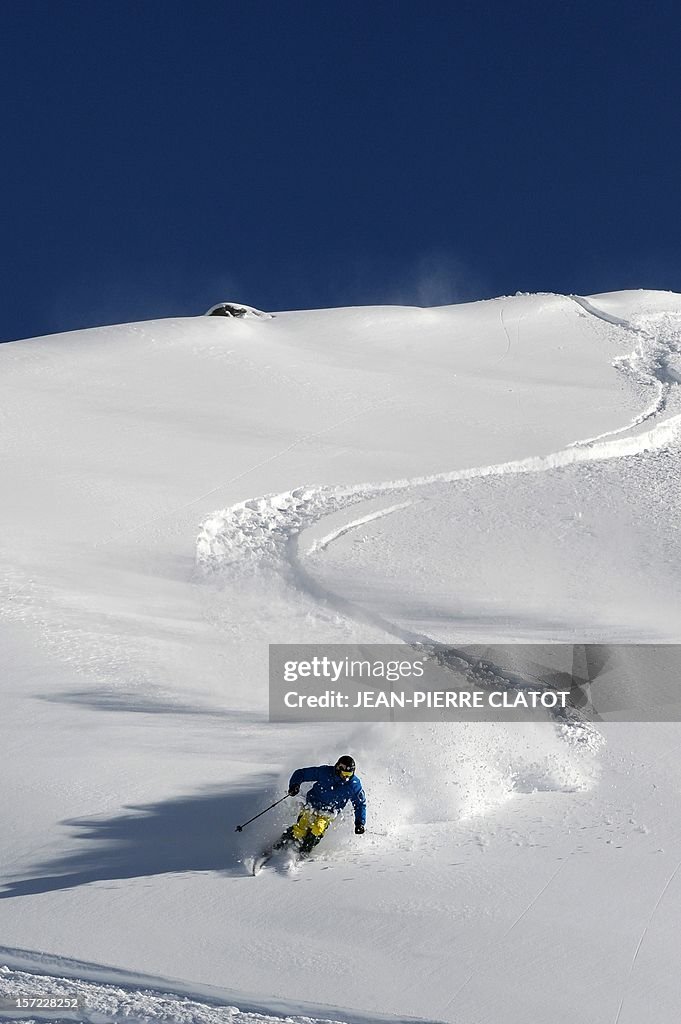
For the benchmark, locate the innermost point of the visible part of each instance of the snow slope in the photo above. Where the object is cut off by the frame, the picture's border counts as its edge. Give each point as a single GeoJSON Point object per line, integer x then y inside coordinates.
{"type": "Point", "coordinates": [498, 471]}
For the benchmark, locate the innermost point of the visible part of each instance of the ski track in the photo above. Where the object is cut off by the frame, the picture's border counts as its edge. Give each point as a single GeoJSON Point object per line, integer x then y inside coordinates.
{"type": "Point", "coordinates": [508, 337]}
{"type": "Point", "coordinates": [642, 938]}
{"type": "Point", "coordinates": [264, 531]}
{"type": "Point", "coordinates": [259, 529]}
{"type": "Point", "coordinates": [485, 955]}
{"type": "Point", "coordinates": [320, 545]}
{"type": "Point", "coordinates": [659, 341]}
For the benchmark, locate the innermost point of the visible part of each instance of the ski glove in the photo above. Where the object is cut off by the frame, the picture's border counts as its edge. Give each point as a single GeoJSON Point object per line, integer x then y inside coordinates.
{"type": "Point", "coordinates": [359, 830]}
{"type": "Point", "coordinates": [293, 790]}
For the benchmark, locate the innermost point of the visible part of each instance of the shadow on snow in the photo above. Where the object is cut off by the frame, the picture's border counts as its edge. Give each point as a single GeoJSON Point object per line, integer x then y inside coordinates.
{"type": "Point", "coordinates": [183, 834]}
{"type": "Point", "coordinates": [142, 704]}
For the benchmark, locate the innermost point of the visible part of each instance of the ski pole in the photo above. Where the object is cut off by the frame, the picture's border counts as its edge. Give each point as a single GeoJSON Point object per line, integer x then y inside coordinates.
{"type": "Point", "coordinates": [240, 828]}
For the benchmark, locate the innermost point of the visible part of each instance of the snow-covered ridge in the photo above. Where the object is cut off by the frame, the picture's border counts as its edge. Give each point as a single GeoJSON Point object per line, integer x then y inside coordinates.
{"type": "Point", "coordinates": [467, 466]}
{"type": "Point", "coordinates": [108, 995]}
{"type": "Point", "coordinates": [119, 999]}
{"type": "Point", "coordinates": [98, 1003]}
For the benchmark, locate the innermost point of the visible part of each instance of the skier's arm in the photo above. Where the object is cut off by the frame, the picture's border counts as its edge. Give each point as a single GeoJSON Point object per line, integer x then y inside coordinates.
{"type": "Point", "coordinates": [359, 802]}
{"type": "Point", "coordinates": [301, 775]}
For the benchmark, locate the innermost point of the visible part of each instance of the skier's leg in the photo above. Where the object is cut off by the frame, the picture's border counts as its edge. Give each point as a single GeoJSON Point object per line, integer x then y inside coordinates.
{"type": "Point", "coordinates": [308, 844]}
{"type": "Point", "coordinates": [303, 825]}
{"type": "Point", "coordinates": [318, 826]}
{"type": "Point", "coordinates": [284, 839]}
{"type": "Point", "coordinates": [294, 833]}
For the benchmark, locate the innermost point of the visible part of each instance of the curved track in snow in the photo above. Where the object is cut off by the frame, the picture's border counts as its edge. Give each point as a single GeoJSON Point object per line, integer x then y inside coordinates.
{"type": "Point", "coordinates": [260, 528]}
{"type": "Point", "coordinates": [268, 530]}
{"type": "Point", "coordinates": [651, 362]}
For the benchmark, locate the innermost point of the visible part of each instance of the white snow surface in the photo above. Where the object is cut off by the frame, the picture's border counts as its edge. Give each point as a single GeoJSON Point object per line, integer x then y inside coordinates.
{"type": "Point", "coordinates": [177, 495]}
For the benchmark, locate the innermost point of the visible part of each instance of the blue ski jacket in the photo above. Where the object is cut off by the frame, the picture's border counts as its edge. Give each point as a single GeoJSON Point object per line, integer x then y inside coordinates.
{"type": "Point", "coordinates": [330, 792]}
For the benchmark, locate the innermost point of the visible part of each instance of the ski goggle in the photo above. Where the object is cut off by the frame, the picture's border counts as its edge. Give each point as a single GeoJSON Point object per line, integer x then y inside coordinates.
{"type": "Point", "coordinates": [345, 774]}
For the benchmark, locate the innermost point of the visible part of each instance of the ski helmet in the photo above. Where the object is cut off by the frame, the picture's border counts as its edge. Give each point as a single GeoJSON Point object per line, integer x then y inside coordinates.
{"type": "Point", "coordinates": [345, 766]}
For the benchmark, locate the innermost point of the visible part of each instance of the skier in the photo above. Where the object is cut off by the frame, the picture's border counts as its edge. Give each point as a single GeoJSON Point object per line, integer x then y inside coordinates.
{"type": "Point", "coordinates": [334, 786]}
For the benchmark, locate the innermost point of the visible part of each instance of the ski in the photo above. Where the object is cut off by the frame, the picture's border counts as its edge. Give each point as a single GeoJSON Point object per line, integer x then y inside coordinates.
{"type": "Point", "coordinates": [290, 861]}
{"type": "Point", "coordinates": [260, 861]}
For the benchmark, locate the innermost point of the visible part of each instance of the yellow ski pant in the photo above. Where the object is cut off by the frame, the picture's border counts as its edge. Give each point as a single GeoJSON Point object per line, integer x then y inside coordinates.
{"type": "Point", "coordinates": [312, 821]}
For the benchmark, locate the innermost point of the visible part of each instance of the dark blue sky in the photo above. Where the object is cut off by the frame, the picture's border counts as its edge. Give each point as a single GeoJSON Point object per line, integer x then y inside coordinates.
{"type": "Point", "coordinates": [160, 155]}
